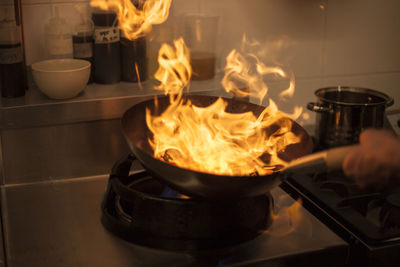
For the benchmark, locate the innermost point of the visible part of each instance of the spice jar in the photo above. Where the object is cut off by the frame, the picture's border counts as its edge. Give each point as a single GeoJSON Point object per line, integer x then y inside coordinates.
{"type": "Point", "coordinates": [83, 42]}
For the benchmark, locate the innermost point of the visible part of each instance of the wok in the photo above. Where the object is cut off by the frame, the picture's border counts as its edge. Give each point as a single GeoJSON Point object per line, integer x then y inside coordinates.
{"type": "Point", "coordinates": [207, 185]}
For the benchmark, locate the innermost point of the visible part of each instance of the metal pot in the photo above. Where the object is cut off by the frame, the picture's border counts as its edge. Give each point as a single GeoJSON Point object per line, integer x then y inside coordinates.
{"type": "Point", "coordinates": [343, 112]}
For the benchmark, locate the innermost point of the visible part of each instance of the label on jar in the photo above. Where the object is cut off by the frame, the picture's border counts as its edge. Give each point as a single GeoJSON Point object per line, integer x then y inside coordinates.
{"type": "Point", "coordinates": [106, 35]}
{"type": "Point", "coordinates": [83, 50]}
{"type": "Point", "coordinates": [11, 54]}
{"type": "Point", "coordinates": [62, 46]}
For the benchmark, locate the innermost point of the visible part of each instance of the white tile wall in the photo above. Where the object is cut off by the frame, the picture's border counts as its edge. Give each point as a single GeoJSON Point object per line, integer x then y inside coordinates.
{"type": "Point", "coordinates": [362, 36]}
{"type": "Point", "coordinates": [325, 42]}
{"type": "Point", "coordinates": [36, 14]}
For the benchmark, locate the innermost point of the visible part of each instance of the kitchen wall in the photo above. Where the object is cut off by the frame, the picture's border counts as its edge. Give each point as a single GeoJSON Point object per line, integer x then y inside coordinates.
{"type": "Point", "coordinates": [325, 43]}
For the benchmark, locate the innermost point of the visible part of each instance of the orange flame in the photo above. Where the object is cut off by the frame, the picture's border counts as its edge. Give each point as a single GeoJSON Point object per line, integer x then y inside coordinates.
{"type": "Point", "coordinates": [209, 139]}
{"type": "Point", "coordinates": [239, 76]}
{"type": "Point", "coordinates": [174, 69]}
{"type": "Point", "coordinates": [133, 21]}
{"type": "Point", "coordinates": [288, 217]}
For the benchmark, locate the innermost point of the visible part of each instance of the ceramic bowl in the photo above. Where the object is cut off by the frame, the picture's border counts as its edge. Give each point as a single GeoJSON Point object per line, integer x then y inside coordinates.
{"type": "Point", "coordinates": [61, 78]}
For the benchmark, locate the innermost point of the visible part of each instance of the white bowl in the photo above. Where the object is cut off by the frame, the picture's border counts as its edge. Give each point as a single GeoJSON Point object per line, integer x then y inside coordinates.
{"type": "Point", "coordinates": [61, 78]}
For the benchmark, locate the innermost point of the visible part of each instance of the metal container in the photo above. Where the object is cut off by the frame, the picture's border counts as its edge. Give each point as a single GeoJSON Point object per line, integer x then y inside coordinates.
{"type": "Point", "coordinates": [343, 112]}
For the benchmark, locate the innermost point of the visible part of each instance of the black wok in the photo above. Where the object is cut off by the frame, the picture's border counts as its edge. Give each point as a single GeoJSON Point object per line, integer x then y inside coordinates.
{"type": "Point", "coordinates": [199, 184]}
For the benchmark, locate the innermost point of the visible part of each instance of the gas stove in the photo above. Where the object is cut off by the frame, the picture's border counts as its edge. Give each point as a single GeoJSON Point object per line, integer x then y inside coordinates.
{"type": "Point", "coordinates": [142, 210]}
{"type": "Point", "coordinates": [58, 223]}
{"type": "Point", "coordinates": [254, 230]}
{"type": "Point", "coordinates": [368, 221]}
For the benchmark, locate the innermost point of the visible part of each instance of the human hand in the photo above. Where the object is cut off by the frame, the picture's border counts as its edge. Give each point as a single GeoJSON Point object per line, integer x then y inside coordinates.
{"type": "Point", "coordinates": [376, 161]}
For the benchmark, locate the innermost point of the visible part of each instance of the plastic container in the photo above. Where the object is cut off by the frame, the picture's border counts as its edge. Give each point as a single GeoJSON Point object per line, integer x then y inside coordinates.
{"type": "Point", "coordinates": [107, 57]}
{"type": "Point", "coordinates": [200, 34]}
{"type": "Point", "coordinates": [160, 34]}
{"type": "Point", "coordinates": [58, 37]}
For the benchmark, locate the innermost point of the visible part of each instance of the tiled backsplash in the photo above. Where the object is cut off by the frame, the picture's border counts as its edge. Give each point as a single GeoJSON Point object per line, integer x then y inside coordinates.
{"type": "Point", "coordinates": [325, 43]}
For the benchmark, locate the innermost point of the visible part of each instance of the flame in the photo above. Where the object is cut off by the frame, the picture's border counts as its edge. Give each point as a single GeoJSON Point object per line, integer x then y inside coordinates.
{"type": "Point", "coordinates": [288, 217]}
{"type": "Point", "coordinates": [174, 69]}
{"type": "Point", "coordinates": [239, 77]}
{"type": "Point", "coordinates": [210, 139]}
{"type": "Point", "coordinates": [134, 21]}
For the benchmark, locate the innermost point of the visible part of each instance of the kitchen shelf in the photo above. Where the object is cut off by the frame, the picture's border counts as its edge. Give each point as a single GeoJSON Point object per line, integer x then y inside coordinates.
{"type": "Point", "coordinates": [96, 102]}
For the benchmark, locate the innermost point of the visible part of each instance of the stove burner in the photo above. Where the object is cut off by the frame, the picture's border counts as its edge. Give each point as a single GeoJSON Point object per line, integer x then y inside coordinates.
{"type": "Point", "coordinates": [170, 193]}
{"type": "Point", "coordinates": [134, 209]}
{"type": "Point", "coordinates": [373, 216]}
{"type": "Point", "coordinates": [368, 220]}
{"type": "Point", "coordinates": [390, 212]}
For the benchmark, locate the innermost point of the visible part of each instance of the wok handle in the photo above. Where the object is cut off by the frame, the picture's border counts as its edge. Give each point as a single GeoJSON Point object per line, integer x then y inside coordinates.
{"type": "Point", "coordinates": [324, 161]}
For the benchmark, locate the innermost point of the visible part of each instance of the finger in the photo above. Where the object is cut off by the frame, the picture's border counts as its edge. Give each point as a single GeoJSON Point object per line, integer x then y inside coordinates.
{"type": "Point", "coordinates": [351, 161]}
{"type": "Point", "coordinates": [372, 135]}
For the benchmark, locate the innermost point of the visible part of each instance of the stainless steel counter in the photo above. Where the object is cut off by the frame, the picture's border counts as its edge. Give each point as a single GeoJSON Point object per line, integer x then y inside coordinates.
{"type": "Point", "coordinates": [2, 258]}
{"type": "Point", "coordinates": [45, 139]}
{"type": "Point", "coordinates": [57, 223]}
{"type": "Point", "coordinates": [96, 102]}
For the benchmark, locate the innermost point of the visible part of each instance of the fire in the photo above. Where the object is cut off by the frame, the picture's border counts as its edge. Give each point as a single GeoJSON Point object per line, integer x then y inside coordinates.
{"type": "Point", "coordinates": [134, 21]}
{"type": "Point", "coordinates": [209, 139]}
{"type": "Point", "coordinates": [239, 73]}
{"type": "Point", "coordinates": [288, 217]}
{"type": "Point", "coordinates": [174, 70]}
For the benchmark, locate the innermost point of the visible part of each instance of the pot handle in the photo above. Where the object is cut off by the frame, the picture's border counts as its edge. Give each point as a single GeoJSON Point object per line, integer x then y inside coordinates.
{"type": "Point", "coordinates": [317, 108]}
{"type": "Point", "coordinates": [390, 101]}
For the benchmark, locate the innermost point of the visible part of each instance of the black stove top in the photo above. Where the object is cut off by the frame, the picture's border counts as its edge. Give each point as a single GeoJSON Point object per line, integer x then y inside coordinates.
{"type": "Point", "coordinates": [369, 221]}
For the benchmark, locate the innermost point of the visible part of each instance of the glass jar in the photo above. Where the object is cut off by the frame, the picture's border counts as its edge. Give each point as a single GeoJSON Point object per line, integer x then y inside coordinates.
{"type": "Point", "coordinates": [12, 61]}
{"type": "Point", "coordinates": [107, 61]}
{"type": "Point", "coordinates": [58, 37]}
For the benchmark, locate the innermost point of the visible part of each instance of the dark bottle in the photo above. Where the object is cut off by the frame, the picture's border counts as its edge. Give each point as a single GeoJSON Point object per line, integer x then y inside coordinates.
{"type": "Point", "coordinates": [12, 65]}
{"type": "Point", "coordinates": [83, 44]}
{"type": "Point", "coordinates": [133, 59]}
{"type": "Point", "coordinates": [107, 64]}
